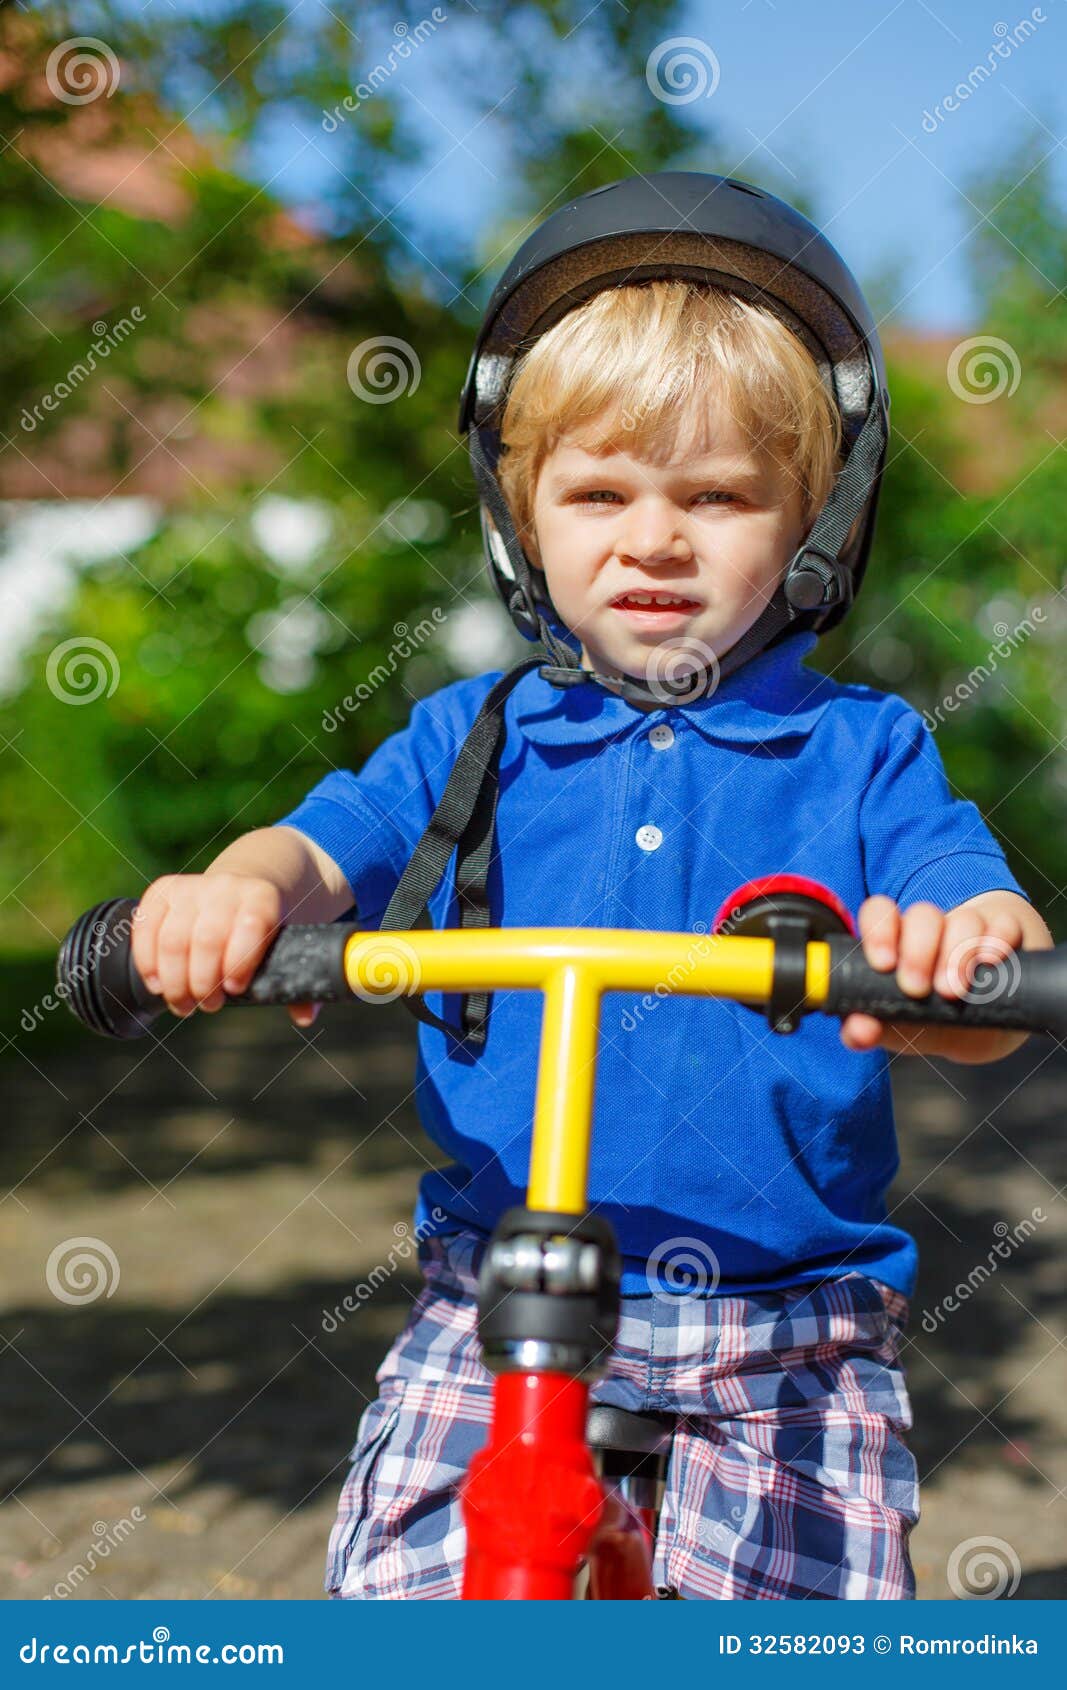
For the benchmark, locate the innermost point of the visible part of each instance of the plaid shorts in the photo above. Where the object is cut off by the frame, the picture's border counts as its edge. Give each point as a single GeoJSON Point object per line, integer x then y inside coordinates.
{"type": "Point", "coordinates": [788, 1477]}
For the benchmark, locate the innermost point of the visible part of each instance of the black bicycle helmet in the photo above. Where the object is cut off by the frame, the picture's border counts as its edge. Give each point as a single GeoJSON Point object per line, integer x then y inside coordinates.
{"type": "Point", "coordinates": [686, 225]}
{"type": "Point", "coordinates": [677, 225]}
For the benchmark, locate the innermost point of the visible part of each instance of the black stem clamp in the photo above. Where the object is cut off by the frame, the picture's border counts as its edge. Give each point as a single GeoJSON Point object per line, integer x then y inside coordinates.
{"type": "Point", "coordinates": [789, 975]}
{"type": "Point", "coordinates": [548, 1293]}
{"type": "Point", "coordinates": [792, 916]}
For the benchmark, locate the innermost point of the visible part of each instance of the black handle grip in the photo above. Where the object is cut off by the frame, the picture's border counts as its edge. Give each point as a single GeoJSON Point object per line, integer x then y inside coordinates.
{"type": "Point", "coordinates": [97, 975]}
{"type": "Point", "coordinates": [1026, 990]}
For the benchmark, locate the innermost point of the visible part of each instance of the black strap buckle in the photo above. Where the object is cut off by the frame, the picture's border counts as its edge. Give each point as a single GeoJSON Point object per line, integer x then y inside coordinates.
{"type": "Point", "coordinates": [561, 677]}
{"type": "Point", "coordinates": [816, 580]}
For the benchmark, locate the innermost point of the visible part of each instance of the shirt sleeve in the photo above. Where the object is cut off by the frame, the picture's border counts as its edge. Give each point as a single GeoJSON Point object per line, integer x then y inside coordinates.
{"type": "Point", "coordinates": [371, 822]}
{"type": "Point", "coordinates": [919, 842]}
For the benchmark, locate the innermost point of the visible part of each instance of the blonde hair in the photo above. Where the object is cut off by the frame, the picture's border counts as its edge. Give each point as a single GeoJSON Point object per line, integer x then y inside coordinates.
{"type": "Point", "coordinates": [622, 371]}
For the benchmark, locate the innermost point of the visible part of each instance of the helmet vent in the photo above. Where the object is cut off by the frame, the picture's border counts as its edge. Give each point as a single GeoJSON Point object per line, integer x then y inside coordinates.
{"type": "Point", "coordinates": [743, 188]}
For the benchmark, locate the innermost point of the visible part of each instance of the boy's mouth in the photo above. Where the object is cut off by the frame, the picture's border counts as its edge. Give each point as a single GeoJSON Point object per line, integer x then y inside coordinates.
{"type": "Point", "coordinates": [654, 609]}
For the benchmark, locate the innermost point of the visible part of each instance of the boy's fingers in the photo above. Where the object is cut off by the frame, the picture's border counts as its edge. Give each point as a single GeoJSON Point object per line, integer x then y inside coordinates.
{"type": "Point", "coordinates": [147, 919]}
{"type": "Point", "coordinates": [303, 1014]}
{"type": "Point", "coordinates": [862, 1032]}
{"type": "Point", "coordinates": [1003, 931]}
{"type": "Point", "coordinates": [172, 956]}
{"type": "Point", "coordinates": [961, 948]}
{"type": "Point", "coordinates": [248, 939]}
{"type": "Point", "coordinates": [879, 925]}
{"type": "Point", "coordinates": [211, 931]}
{"type": "Point", "coordinates": [921, 929]}
{"type": "Point", "coordinates": [1005, 924]}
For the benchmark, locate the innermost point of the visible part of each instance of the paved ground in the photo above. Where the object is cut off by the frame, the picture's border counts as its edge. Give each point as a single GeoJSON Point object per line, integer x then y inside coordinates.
{"type": "Point", "coordinates": [184, 1433]}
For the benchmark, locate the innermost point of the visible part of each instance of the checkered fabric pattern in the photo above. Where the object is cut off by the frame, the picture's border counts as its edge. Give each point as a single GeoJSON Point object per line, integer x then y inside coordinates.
{"type": "Point", "coordinates": [789, 1475]}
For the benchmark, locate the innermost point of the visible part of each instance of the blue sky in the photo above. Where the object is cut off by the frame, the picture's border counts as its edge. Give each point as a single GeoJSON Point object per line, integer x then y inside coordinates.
{"type": "Point", "coordinates": [839, 91]}
{"type": "Point", "coordinates": [825, 94]}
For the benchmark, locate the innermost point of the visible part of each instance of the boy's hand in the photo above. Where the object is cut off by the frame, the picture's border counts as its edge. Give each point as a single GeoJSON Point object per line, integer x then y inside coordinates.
{"type": "Point", "coordinates": [200, 937]}
{"type": "Point", "coordinates": [934, 951]}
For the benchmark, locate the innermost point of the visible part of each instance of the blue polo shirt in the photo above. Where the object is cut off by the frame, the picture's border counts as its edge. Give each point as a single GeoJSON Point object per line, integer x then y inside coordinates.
{"type": "Point", "coordinates": [758, 1160]}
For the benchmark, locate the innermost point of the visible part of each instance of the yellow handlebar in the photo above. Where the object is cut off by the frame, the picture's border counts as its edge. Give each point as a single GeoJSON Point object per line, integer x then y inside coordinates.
{"type": "Point", "coordinates": [573, 967]}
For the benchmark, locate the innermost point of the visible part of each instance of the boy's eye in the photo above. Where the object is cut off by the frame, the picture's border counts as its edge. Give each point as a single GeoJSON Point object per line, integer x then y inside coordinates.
{"type": "Point", "coordinates": [598, 495]}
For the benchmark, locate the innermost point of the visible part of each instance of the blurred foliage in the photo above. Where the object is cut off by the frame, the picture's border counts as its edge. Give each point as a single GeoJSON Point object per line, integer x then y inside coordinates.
{"type": "Point", "coordinates": [227, 662]}
{"type": "Point", "coordinates": [964, 611]}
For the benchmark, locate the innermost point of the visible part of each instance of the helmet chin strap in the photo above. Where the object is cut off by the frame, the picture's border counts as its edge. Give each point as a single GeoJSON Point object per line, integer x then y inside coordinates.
{"type": "Point", "coordinates": [703, 679]}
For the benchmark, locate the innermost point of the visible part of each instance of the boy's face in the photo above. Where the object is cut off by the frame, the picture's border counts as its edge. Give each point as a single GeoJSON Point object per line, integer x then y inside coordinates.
{"type": "Point", "coordinates": [714, 528]}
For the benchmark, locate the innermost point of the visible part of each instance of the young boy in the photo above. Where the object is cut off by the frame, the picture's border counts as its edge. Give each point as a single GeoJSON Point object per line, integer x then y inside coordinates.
{"type": "Point", "coordinates": [688, 397]}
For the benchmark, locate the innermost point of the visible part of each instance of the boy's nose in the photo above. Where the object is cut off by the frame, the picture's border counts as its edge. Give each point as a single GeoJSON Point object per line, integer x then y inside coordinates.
{"type": "Point", "coordinates": [651, 540]}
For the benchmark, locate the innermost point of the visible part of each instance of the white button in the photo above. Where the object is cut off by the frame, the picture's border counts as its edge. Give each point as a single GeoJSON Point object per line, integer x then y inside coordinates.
{"type": "Point", "coordinates": [648, 837]}
{"type": "Point", "coordinates": [661, 736]}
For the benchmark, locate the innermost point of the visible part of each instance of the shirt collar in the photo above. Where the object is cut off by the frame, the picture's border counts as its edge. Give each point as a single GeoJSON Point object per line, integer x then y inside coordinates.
{"type": "Point", "coordinates": [772, 696]}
